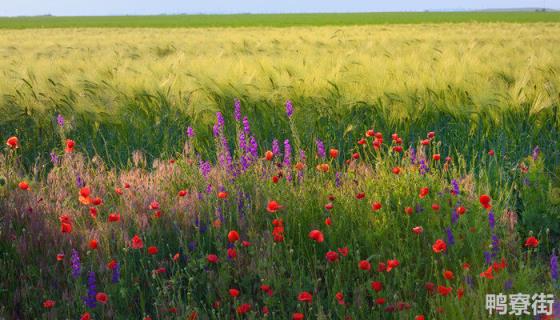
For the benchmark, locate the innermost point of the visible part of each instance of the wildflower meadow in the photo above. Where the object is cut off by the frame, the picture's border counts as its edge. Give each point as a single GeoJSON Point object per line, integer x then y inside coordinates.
{"type": "Point", "coordinates": [304, 204]}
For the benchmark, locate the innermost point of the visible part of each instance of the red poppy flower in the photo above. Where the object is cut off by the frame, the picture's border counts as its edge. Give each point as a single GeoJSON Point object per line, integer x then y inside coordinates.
{"type": "Point", "coordinates": [436, 157]}
{"type": "Point", "coordinates": [323, 167]}
{"type": "Point", "coordinates": [444, 291]}
{"type": "Point", "coordinates": [234, 292]}
{"type": "Point", "coordinates": [154, 205]}
{"type": "Point", "coordinates": [85, 316]}
{"type": "Point", "coordinates": [176, 257]}
{"type": "Point", "coordinates": [418, 229]}
{"type": "Point", "coordinates": [356, 156]}
{"type": "Point", "coordinates": [447, 274]}
{"type": "Point", "coordinates": [102, 297]}
{"type": "Point", "coordinates": [246, 243]}
{"type": "Point", "coordinates": [488, 273]}
{"type": "Point", "coordinates": [497, 266]}
{"type": "Point", "coordinates": [377, 286]}
{"type": "Point", "coordinates": [485, 201]}
{"type": "Point", "coordinates": [328, 221]}
{"type": "Point", "coordinates": [360, 195]}
{"type": "Point", "coordinates": [461, 210]}
{"type": "Point", "coordinates": [48, 304]}
{"type": "Point", "coordinates": [466, 266]}
{"type": "Point", "coordinates": [66, 227]}
{"type": "Point", "coordinates": [13, 142]}
{"type": "Point", "coordinates": [439, 246]}
{"type": "Point", "coordinates": [298, 316]}
{"type": "Point", "coordinates": [362, 141]}
{"type": "Point", "coordinates": [430, 287]}
{"type": "Point", "coordinates": [491, 152]}
{"type": "Point", "coordinates": [182, 193]}
{"type": "Point", "coordinates": [317, 236]}
{"type": "Point", "coordinates": [222, 195]}
{"type": "Point", "coordinates": [231, 253]}
{"type": "Point", "coordinates": [408, 210]}
{"type": "Point", "coordinates": [343, 251]}
{"type": "Point", "coordinates": [419, 317]}
{"type": "Point", "coordinates": [265, 310]}
{"type": "Point", "coordinates": [212, 258]}
{"type": "Point", "coordinates": [114, 217]}
{"type": "Point", "coordinates": [275, 179]}
{"type": "Point", "coordinates": [398, 149]}
{"type": "Point", "coordinates": [391, 264]}
{"type": "Point", "coordinates": [435, 207]}
{"type": "Point", "coordinates": [118, 191]}
{"type": "Point", "coordinates": [268, 155]}
{"type": "Point", "coordinates": [376, 206]}
{"type": "Point", "coordinates": [97, 201]}
{"type": "Point", "coordinates": [333, 153]}
{"type": "Point", "coordinates": [152, 250]}
{"type": "Point", "coordinates": [69, 145]}
{"type": "Point", "coordinates": [93, 244]}
{"type": "Point", "coordinates": [431, 135]}
{"type": "Point", "coordinates": [137, 243]}
{"type": "Point", "coordinates": [531, 242]}
{"type": "Point", "coordinates": [424, 192]}
{"type": "Point", "coordinates": [381, 267]}
{"type": "Point", "coordinates": [425, 142]}
{"type": "Point", "coordinates": [233, 236]}
{"type": "Point", "coordinates": [329, 206]}
{"type": "Point", "coordinates": [305, 297]}
{"type": "Point", "coordinates": [364, 265]}
{"type": "Point", "coordinates": [60, 257]}
{"type": "Point", "coordinates": [23, 185]}
{"type": "Point", "coordinates": [273, 206]}
{"type": "Point", "coordinates": [370, 133]}
{"type": "Point", "coordinates": [331, 256]}
{"type": "Point", "coordinates": [85, 192]}
{"type": "Point", "coordinates": [380, 301]}
{"type": "Point", "coordinates": [460, 293]}
{"type": "Point", "coordinates": [396, 170]}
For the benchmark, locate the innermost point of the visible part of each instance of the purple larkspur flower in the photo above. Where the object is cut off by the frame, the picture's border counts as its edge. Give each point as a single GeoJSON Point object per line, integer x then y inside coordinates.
{"type": "Point", "coordinates": [454, 216]}
{"type": "Point", "coordinates": [554, 267]}
{"type": "Point", "coordinates": [491, 220]}
{"type": "Point", "coordinates": [90, 300]}
{"type": "Point", "coordinates": [253, 147]}
{"type": "Point", "coordinates": [508, 284]}
{"type": "Point", "coordinates": [216, 130]}
{"type": "Point", "coordinates": [487, 257]}
{"type": "Point", "coordinates": [289, 108]}
{"type": "Point", "coordinates": [275, 147]}
{"type": "Point", "coordinates": [209, 189]}
{"type": "Point", "coordinates": [60, 120]}
{"type": "Point", "coordinates": [190, 132]}
{"type": "Point", "coordinates": [450, 237]}
{"type": "Point", "coordinates": [220, 120]}
{"type": "Point", "coordinates": [246, 126]}
{"type": "Point", "coordinates": [469, 281]}
{"type": "Point", "coordinates": [54, 158]}
{"type": "Point", "coordinates": [419, 208]}
{"type": "Point", "coordinates": [455, 186]}
{"type": "Point", "coordinates": [116, 273]}
{"type": "Point", "coordinates": [237, 110]}
{"type": "Point", "coordinates": [423, 167]}
{"type": "Point", "coordinates": [287, 153]}
{"type": "Point", "coordinates": [495, 245]}
{"type": "Point", "coordinates": [192, 245]}
{"type": "Point", "coordinates": [412, 153]}
{"type": "Point", "coordinates": [242, 142]}
{"type": "Point", "coordinates": [205, 168]}
{"type": "Point", "coordinates": [320, 149]}
{"type": "Point", "coordinates": [220, 214]}
{"type": "Point", "coordinates": [337, 181]}
{"type": "Point", "coordinates": [536, 152]}
{"type": "Point", "coordinates": [80, 183]}
{"type": "Point", "coordinates": [76, 265]}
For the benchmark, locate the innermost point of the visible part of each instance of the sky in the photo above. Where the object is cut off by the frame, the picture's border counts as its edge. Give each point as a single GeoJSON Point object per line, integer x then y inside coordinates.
{"type": "Point", "coordinates": [144, 7]}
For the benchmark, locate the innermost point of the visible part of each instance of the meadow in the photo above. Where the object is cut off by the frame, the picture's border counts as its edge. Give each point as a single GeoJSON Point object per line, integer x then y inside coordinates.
{"type": "Point", "coordinates": [337, 172]}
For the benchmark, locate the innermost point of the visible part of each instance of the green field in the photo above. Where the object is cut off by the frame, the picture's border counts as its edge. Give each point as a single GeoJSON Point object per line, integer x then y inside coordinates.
{"type": "Point", "coordinates": [275, 20]}
{"type": "Point", "coordinates": [394, 168]}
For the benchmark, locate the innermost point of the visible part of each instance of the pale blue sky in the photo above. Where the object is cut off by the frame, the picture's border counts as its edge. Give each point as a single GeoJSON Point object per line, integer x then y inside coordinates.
{"type": "Point", "coordinates": [123, 7]}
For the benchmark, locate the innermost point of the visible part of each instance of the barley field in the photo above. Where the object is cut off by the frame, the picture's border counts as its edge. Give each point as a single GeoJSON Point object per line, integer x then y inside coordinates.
{"type": "Point", "coordinates": [321, 171]}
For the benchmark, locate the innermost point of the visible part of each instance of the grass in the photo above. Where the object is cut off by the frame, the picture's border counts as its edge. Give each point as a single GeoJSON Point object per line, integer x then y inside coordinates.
{"type": "Point", "coordinates": [275, 20]}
